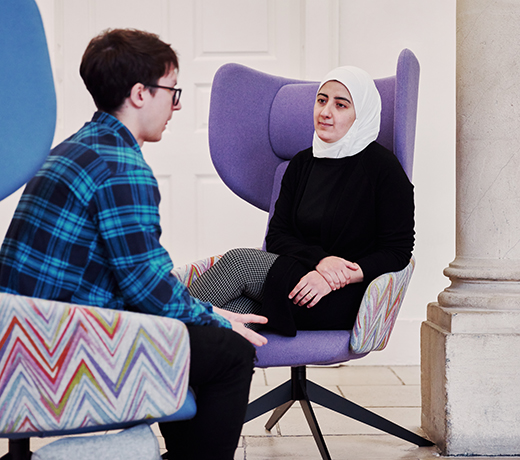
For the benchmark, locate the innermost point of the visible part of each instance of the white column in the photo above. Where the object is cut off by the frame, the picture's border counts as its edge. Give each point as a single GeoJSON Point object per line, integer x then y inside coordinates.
{"type": "Point", "coordinates": [471, 339]}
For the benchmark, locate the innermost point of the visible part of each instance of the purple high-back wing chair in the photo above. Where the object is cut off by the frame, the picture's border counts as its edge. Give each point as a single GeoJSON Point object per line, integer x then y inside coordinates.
{"type": "Point", "coordinates": [257, 123]}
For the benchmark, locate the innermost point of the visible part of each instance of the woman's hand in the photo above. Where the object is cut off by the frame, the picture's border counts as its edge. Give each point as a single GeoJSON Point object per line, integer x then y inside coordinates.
{"type": "Point", "coordinates": [238, 320]}
{"type": "Point", "coordinates": [339, 272]}
{"type": "Point", "coordinates": [310, 290]}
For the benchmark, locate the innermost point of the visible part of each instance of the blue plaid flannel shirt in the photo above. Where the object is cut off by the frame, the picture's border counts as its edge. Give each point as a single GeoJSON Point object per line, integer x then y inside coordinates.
{"type": "Point", "coordinates": [87, 230]}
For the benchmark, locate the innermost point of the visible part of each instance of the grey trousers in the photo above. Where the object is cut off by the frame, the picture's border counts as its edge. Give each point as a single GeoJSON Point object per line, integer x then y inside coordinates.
{"type": "Point", "coordinates": [236, 281]}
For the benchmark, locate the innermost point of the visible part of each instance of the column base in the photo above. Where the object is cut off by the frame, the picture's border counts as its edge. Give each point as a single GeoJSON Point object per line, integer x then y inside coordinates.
{"type": "Point", "coordinates": [470, 364]}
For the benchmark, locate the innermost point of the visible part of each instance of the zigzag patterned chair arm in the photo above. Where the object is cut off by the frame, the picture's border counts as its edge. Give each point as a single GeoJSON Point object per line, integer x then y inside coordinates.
{"type": "Point", "coordinates": [188, 273]}
{"type": "Point", "coordinates": [379, 308]}
{"type": "Point", "coordinates": [65, 368]}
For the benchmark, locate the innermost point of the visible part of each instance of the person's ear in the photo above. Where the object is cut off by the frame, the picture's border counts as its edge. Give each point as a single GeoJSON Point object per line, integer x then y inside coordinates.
{"type": "Point", "coordinates": [137, 95]}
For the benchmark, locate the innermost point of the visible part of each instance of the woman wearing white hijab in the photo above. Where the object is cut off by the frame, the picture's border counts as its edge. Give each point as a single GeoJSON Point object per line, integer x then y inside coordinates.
{"type": "Point", "coordinates": [345, 215]}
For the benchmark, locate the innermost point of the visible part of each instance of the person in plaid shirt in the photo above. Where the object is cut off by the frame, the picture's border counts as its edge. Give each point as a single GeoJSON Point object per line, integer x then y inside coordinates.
{"type": "Point", "coordinates": [87, 230]}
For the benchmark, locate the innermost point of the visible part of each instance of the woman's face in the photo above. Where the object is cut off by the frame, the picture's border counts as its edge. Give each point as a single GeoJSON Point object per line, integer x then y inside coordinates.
{"type": "Point", "coordinates": [334, 112]}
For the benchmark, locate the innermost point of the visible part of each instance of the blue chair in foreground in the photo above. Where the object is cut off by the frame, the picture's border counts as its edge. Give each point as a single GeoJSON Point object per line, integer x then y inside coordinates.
{"type": "Point", "coordinates": [257, 123]}
{"type": "Point", "coordinates": [68, 369]}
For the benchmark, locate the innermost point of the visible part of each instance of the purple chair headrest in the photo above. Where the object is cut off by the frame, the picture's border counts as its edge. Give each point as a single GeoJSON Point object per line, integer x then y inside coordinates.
{"type": "Point", "coordinates": [240, 107]}
{"type": "Point", "coordinates": [291, 122]}
{"type": "Point", "coordinates": [257, 121]}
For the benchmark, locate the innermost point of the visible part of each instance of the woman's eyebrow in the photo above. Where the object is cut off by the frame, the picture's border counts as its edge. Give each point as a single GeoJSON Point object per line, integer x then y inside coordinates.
{"type": "Point", "coordinates": [337, 98]}
{"type": "Point", "coordinates": [343, 99]}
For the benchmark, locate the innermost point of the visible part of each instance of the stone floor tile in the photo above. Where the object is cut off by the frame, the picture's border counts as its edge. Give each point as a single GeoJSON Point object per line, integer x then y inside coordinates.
{"type": "Point", "coordinates": [256, 427]}
{"type": "Point", "coordinates": [340, 448]}
{"type": "Point", "coordinates": [38, 443]}
{"type": "Point", "coordinates": [160, 439]}
{"type": "Point", "coordinates": [383, 395]}
{"type": "Point", "coordinates": [353, 375]}
{"type": "Point", "coordinates": [240, 454]}
{"type": "Point", "coordinates": [277, 375]}
{"type": "Point", "coordinates": [410, 375]}
{"type": "Point", "coordinates": [259, 378]}
{"type": "Point", "coordinates": [258, 391]}
{"type": "Point", "coordinates": [294, 423]}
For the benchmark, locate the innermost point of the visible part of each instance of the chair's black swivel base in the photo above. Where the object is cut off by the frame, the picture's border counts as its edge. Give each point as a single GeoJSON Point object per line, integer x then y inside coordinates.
{"type": "Point", "coordinates": [300, 389]}
{"type": "Point", "coordinates": [18, 450]}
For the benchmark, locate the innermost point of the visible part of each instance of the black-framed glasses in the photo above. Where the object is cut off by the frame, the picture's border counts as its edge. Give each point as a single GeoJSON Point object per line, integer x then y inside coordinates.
{"type": "Point", "coordinates": [176, 92]}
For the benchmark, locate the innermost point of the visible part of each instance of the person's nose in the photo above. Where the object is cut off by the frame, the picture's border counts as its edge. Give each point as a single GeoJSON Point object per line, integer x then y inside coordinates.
{"type": "Point", "coordinates": [325, 111]}
{"type": "Point", "coordinates": [177, 107]}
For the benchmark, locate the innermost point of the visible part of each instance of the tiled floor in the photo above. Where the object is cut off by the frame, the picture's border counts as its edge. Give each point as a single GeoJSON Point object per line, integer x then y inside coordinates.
{"type": "Point", "coordinates": [393, 392]}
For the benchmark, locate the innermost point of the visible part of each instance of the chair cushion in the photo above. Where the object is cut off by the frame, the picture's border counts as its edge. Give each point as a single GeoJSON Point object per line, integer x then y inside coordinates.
{"type": "Point", "coordinates": [308, 347]}
{"type": "Point", "coordinates": [137, 443]}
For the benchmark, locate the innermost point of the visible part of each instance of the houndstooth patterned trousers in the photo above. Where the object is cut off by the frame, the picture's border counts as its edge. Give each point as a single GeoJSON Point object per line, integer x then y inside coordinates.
{"type": "Point", "coordinates": [236, 281]}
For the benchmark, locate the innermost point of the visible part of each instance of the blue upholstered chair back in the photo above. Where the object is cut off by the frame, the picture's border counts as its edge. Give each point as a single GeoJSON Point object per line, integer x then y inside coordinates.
{"type": "Point", "coordinates": [28, 108]}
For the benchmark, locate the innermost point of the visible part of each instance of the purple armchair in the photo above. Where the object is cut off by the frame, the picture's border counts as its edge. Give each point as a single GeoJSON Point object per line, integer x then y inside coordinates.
{"type": "Point", "coordinates": [257, 123]}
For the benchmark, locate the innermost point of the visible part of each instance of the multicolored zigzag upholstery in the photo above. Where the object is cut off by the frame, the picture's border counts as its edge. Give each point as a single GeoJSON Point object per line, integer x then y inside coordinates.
{"type": "Point", "coordinates": [379, 308]}
{"type": "Point", "coordinates": [188, 273]}
{"type": "Point", "coordinates": [69, 368]}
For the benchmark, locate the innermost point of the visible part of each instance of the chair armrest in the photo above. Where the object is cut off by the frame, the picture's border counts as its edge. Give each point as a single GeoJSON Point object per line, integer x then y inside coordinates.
{"type": "Point", "coordinates": [65, 367]}
{"type": "Point", "coordinates": [379, 308]}
{"type": "Point", "coordinates": [187, 274]}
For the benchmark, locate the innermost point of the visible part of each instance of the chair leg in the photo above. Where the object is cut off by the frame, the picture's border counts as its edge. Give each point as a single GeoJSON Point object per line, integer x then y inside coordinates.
{"type": "Point", "coordinates": [19, 449]}
{"type": "Point", "coordinates": [314, 426]}
{"type": "Point", "coordinates": [332, 401]}
{"type": "Point", "coordinates": [275, 398]}
{"type": "Point", "coordinates": [278, 413]}
{"type": "Point", "coordinates": [281, 399]}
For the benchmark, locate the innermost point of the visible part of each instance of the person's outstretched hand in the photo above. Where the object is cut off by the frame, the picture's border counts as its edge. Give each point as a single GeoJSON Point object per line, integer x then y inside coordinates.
{"type": "Point", "coordinates": [238, 320]}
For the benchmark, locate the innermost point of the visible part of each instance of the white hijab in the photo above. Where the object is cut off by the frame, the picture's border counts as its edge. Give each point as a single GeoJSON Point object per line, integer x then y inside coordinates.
{"type": "Point", "coordinates": [367, 103]}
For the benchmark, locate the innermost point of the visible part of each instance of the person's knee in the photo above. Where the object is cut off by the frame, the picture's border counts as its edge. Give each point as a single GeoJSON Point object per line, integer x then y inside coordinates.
{"type": "Point", "coordinates": [239, 355]}
{"type": "Point", "coordinates": [219, 351]}
{"type": "Point", "coordinates": [234, 257]}
{"type": "Point", "coordinates": [244, 351]}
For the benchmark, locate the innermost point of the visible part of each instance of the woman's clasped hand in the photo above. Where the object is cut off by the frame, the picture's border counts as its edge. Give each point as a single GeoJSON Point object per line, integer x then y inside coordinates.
{"type": "Point", "coordinates": [331, 273]}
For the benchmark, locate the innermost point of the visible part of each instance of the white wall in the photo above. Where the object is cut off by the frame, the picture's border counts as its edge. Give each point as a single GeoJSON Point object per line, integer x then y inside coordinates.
{"type": "Point", "coordinates": [321, 34]}
{"type": "Point", "coordinates": [372, 34]}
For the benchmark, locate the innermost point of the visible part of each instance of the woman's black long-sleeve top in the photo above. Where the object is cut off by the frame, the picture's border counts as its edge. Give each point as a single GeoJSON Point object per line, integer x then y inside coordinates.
{"type": "Point", "coordinates": [367, 218]}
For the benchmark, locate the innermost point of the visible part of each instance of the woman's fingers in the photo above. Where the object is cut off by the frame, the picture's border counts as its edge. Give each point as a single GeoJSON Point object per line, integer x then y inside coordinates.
{"type": "Point", "coordinates": [297, 289]}
{"type": "Point", "coordinates": [311, 288]}
{"type": "Point", "coordinates": [336, 271]}
{"type": "Point", "coordinates": [351, 265]}
{"type": "Point", "coordinates": [335, 279]}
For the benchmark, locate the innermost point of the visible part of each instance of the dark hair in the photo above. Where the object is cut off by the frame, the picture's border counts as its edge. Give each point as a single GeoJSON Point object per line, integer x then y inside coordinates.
{"type": "Point", "coordinates": [117, 59]}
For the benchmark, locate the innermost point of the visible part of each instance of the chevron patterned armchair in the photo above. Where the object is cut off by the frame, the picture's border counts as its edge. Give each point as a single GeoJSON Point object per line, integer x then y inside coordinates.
{"type": "Point", "coordinates": [69, 369]}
